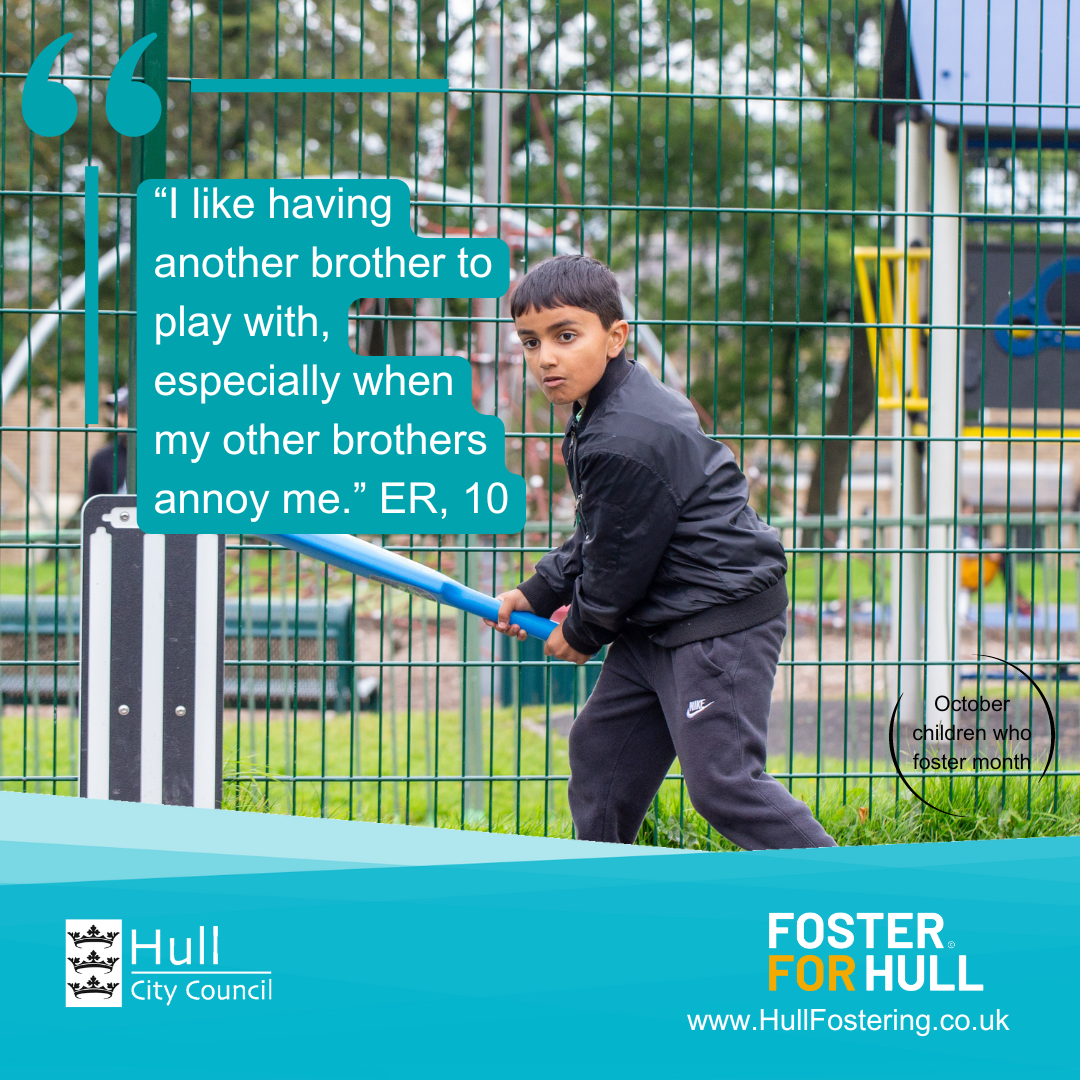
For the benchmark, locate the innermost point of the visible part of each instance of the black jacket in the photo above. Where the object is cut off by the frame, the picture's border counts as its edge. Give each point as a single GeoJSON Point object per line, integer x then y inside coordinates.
{"type": "Point", "coordinates": [665, 538]}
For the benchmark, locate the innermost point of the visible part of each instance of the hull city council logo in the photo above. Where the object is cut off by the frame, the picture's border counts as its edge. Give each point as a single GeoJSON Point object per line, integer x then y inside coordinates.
{"type": "Point", "coordinates": [162, 970]}
{"type": "Point", "coordinates": [93, 952]}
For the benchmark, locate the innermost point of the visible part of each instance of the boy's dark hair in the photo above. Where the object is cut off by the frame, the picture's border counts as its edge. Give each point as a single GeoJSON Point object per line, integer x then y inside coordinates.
{"type": "Point", "coordinates": [569, 281]}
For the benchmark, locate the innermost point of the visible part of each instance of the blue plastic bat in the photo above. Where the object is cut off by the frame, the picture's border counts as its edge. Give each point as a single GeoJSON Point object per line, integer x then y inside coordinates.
{"type": "Point", "coordinates": [378, 564]}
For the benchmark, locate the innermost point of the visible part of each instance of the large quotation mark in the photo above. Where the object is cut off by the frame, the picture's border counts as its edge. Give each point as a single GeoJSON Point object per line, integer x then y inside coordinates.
{"type": "Point", "coordinates": [132, 108]}
{"type": "Point", "coordinates": [49, 108]}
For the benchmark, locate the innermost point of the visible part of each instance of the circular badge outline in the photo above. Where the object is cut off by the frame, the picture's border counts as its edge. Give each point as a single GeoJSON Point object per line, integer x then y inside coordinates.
{"type": "Point", "coordinates": [1049, 717]}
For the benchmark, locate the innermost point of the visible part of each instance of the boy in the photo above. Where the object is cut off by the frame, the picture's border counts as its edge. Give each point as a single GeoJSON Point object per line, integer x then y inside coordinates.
{"type": "Point", "coordinates": [670, 567]}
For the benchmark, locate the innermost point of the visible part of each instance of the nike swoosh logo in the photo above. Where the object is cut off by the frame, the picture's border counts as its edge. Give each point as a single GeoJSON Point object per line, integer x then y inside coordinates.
{"type": "Point", "coordinates": [692, 712]}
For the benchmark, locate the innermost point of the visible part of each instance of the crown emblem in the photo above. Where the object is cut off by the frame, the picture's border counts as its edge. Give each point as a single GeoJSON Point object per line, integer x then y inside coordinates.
{"type": "Point", "coordinates": [94, 960]}
{"type": "Point", "coordinates": [93, 936]}
{"type": "Point", "coordinates": [92, 986]}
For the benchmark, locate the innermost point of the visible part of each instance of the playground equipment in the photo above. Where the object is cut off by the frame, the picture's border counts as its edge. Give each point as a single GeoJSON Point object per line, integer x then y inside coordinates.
{"type": "Point", "coordinates": [152, 651]}
{"type": "Point", "coordinates": [965, 76]}
{"type": "Point", "coordinates": [893, 332]}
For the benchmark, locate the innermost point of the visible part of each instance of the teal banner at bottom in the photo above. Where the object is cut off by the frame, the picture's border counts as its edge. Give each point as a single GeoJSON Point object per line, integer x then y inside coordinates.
{"type": "Point", "coordinates": [930, 960]}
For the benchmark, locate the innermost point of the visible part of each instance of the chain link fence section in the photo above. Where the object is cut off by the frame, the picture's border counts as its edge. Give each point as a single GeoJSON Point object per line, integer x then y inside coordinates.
{"type": "Point", "coordinates": [820, 240]}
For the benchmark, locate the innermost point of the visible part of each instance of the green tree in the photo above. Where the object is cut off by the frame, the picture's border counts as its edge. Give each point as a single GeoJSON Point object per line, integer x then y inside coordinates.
{"type": "Point", "coordinates": [712, 151]}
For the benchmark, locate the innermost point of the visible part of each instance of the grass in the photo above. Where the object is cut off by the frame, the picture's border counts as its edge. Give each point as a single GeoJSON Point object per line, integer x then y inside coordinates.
{"type": "Point", "coordinates": [852, 813]}
{"type": "Point", "coordinates": [842, 576]}
{"type": "Point", "coordinates": [38, 747]}
{"type": "Point", "coordinates": [1053, 810]}
{"type": "Point", "coordinates": [47, 578]}
{"type": "Point", "coordinates": [375, 745]}
{"type": "Point", "coordinates": [838, 584]}
{"type": "Point", "coordinates": [1046, 808]}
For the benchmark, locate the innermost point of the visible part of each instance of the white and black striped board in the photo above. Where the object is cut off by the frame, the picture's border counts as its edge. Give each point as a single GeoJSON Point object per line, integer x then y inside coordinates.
{"type": "Point", "coordinates": [152, 655]}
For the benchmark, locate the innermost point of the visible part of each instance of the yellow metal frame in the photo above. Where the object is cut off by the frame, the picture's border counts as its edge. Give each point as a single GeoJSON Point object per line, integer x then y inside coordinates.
{"type": "Point", "coordinates": [898, 274]}
{"type": "Point", "coordinates": [1021, 433]}
{"type": "Point", "coordinates": [975, 431]}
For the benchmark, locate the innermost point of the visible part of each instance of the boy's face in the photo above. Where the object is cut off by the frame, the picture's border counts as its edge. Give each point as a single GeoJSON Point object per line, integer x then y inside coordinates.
{"type": "Point", "coordinates": [568, 349]}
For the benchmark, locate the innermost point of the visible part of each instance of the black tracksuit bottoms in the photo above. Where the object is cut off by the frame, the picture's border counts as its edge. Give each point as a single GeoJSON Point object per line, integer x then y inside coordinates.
{"type": "Point", "coordinates": [706, 702]}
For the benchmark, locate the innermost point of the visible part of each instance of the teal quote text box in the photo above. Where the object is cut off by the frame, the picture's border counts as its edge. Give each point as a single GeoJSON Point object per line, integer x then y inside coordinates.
{"type": "Point", "coordinates": [254, 415]}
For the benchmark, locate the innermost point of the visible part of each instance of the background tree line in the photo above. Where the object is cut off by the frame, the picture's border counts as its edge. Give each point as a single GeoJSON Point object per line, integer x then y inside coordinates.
{"type": "Point", "coordinates": [712, 151]}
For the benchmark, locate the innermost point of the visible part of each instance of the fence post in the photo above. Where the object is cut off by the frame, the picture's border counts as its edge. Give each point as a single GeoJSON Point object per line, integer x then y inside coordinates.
{"type": "Point", "coordinates": [912, 162]}
{"type": "Point", "coordinates": [496, 161]}
{"type": "Point", "coordinates": [472, 735]}
{"type": "Point", "coordinates": [946, 358]}
{"type": "Point", "coordinates": [147, 162]}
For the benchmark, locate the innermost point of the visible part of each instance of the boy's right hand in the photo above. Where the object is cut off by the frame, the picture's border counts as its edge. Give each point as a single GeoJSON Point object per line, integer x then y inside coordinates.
{"type": "Point", "coordinates": [509, 602]}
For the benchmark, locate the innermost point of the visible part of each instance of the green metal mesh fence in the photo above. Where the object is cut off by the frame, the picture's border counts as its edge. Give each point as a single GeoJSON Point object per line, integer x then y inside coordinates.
{"type": "Point", "coordinates": [789, 204]}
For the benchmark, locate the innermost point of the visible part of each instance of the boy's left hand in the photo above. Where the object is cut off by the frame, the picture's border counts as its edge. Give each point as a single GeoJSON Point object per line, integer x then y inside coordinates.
{"type": "Point", "coordinates": [556, 646]}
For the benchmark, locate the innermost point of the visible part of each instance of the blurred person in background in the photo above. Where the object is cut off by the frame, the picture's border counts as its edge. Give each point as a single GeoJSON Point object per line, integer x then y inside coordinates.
{"type": "Point", "coordinates": [107, 474]}
{"type": "Point", "coordinates": [979, 559]}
